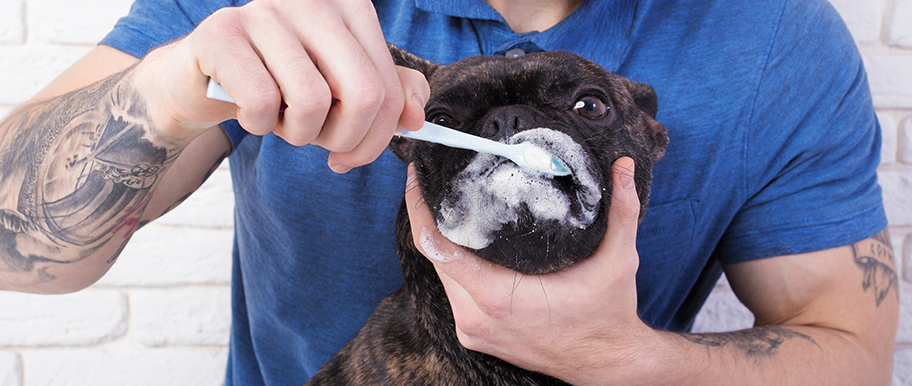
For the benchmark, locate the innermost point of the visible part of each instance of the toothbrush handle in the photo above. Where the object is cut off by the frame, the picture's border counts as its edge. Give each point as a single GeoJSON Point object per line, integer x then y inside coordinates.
{"type": "Point", "coordinates": [453, 138]}
{"type": "Point", "coordinates": [215, 91]}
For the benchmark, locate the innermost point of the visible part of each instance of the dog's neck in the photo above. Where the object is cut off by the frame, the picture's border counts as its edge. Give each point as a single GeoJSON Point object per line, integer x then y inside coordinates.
{"type": "Point", "coordinates": [534, 15]}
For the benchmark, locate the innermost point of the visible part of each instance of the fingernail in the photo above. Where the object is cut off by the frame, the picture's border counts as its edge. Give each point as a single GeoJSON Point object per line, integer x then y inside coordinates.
{"type": "Point", "coordinates": [335, 166]}
{"type": "Point", "coordinates": [626, 174]}
{"type": "Point", "coordinates": [340, 169]}
{"type": "Point", "coordinates": [626, 181]}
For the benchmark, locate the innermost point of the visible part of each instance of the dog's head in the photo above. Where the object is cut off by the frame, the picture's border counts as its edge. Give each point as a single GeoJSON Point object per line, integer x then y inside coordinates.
{"type": "Point", "coordinates": [577, 110]}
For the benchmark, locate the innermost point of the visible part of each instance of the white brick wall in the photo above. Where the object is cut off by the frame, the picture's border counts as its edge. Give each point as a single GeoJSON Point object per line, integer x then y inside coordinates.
{"type": "Point", "coordinates": [161, 315]}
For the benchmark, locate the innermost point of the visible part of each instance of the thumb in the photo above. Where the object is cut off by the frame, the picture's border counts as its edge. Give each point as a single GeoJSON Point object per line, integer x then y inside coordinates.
{"type": "Point", "coordinates": [417, 92]}
{"type": "Point", "coordinates": [624, 209]}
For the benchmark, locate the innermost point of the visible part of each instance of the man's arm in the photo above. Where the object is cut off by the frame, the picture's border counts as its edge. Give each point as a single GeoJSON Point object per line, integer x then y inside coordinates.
{"type": "Point", "coordinates": [843, 301]}
{"type": "Point", "coordinates": [116, 141]}
{"type": "Point", "coordinates": [823, 318]}
{"type": "Point", "coordinates": [826, 317]}
{"type": "Point", "coordinates": [79, 165]}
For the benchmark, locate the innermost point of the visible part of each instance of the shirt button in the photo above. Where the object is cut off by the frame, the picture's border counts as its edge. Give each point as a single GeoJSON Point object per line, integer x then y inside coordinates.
{"type": "Point", "coordinates": [515, 53]}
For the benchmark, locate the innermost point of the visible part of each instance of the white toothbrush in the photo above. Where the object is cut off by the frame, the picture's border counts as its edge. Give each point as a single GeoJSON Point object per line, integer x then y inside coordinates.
{"type": "Point", "coordinates": [525, 154]}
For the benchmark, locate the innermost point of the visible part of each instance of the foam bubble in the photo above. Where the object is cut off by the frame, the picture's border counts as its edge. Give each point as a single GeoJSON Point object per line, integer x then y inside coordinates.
{"type": "Point", "coordinates": [431, 249]}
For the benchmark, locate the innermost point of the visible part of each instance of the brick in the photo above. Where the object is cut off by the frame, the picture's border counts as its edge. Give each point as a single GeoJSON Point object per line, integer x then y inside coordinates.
{"type": "Point", "coordinates": [723, 312]}
{"type": "Point", "coordinates": [111, 367]}
{"type": "Point", "coordinates": [24, 72]}
{"type": "Point", "coordinates": [160, 255]}
{"type": "Point", "coordinates": [185, 316]}
{"type": "Point", "coordinates": [902, 367]}
{"type": "Point", "coordinates": [212, 205]}
{"type": "Point", "coordinates": [12, 27]}
{"type": "Point", "coordinates": [899, 31]}
{"type": "Point", "coordinates": [889, 135]}
{"type": "Point", "coordinates": [904, 332]}
{"type": "Point", "coordinates": [81, 318]}
{"type": "Point", "coordinates": [905, 146]}
{"type": "Point", "coordinates": [890, 80]}
{"type": "Point", "coordinates": [863, 17]}
{"type": "Point", "coordinates": [74, 22]}
{"type": "Point", "coordinates": [906, 258]}
{"type": "Point", "coordinates": [896, 186]}
{"type": "Point", "coordinates": [10, 369]}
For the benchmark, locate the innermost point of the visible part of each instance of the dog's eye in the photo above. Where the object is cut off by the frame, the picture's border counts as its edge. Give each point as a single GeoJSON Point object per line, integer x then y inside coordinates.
{"type": "Point", "coordinates": [444, 120]}
{"type": "Point", "coordinates": [591, 107]}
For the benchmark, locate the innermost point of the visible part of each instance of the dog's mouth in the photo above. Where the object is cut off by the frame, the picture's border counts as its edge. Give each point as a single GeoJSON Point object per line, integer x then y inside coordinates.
{"type": "Point", "coordinates": [493, 196]}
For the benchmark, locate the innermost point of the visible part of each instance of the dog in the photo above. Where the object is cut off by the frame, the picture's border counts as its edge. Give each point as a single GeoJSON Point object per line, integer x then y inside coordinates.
{"type": "Point", "coordinates": [521, 219]}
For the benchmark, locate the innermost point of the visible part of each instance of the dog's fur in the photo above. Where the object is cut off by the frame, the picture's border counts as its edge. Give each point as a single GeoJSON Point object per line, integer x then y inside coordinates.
{"type": "Point", "coordinates": [410, 339]}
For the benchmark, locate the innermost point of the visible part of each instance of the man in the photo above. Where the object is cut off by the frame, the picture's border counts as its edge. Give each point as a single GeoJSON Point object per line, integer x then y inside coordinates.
{"type": "Point", "coordinates": [770, 176]}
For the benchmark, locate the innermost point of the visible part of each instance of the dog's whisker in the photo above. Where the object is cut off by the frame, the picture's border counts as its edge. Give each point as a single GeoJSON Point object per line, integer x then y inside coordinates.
{"type": "Point", "coordinates": [623, 171]}
{"type": "Point", "coordinates": [517, 279]}
{"type": "Point", "coordinates": [421, 201]}
{"type": "Point", "coordinates": [619, 200]}
{"type": "Point", "coordinates": [547, 302]}
{"type": "Point", "coordinates": [412, 184]}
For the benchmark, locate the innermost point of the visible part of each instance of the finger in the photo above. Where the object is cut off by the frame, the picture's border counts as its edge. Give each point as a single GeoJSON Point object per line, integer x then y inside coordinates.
{"type": "Point", "coordinates": [616, 257]}
{"type": "Point", "coordinates": [624, 210]}
{"type": "Point", "coordinates": [417, 92]}
{"type": "Point", "coordinates": [424, 229]}
{"type": "Point", "coordinates": [371, 101]}
{"type": "Point", "coordinates": [361, 93]}
{"type": "Point", "coordinates": [487, 284]}
{"type": "Point", "coordinates": [227, 55]}
{"type": "Point", "coordinates": [450, 261]}
{"type": "Point", "coordinates": [305, 91]}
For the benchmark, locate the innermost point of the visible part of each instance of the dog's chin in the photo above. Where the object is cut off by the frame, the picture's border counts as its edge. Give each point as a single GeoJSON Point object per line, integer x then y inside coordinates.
{"type": "Point", "coordinates": [522, 219]}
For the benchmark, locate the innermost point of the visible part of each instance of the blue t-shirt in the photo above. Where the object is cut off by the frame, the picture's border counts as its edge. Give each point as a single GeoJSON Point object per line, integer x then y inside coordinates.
{"type": "Point", "coordinates": [774, 146]}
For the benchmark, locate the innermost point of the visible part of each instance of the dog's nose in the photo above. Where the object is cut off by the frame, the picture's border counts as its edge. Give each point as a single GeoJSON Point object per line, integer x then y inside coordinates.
{"type": "Point", "coordinates": [504, 122]}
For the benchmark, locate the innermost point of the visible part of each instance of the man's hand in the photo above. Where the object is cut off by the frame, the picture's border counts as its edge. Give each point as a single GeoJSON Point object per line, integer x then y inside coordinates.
{"type": "Point", "coordinates": [567, 324]}
{"type": "Point", "coordinates": [327, 60]}
{"type": "Point", "coordinates": [580, 324]}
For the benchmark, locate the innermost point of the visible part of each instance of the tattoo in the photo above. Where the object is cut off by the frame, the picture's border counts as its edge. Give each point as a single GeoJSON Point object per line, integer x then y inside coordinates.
{"type": "Point", "coordinates": [874, 256]}
{"type": "Point", "coordinates": [75, 171]}
{"type": "Point", "coordinates": [211, 170]}
{"type": "Point", "coordinates": [756, 343]}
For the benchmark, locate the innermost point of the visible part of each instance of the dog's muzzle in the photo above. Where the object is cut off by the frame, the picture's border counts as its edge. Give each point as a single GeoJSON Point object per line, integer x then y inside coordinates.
{"type": "Point", "coordinates": [492, 191]}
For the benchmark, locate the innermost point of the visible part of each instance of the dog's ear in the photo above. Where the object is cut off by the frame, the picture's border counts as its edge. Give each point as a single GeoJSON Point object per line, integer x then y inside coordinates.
{"type": "Point", "coordinates": [644, 96]}
{"type": "Point", "coordinates": [656, 135]}
{"type": "Point", "coordinates": [406, 59]}
{"type": "Point", "coordinates": [402, 147]}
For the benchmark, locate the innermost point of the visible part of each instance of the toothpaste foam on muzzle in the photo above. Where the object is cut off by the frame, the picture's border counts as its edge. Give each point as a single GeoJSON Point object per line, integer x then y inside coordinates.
{"type": "Point", "coordinates": [490, 192]}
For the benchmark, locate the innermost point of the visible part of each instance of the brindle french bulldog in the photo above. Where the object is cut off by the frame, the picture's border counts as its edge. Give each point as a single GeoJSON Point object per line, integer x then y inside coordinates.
{"type": "Point", "coordinates": [521, 219]}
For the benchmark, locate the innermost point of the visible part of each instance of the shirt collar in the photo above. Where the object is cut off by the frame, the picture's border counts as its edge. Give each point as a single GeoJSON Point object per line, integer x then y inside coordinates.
{"type": "Point", "coordinates": [597, 29]}
{"type": "Point", "coordinates": [468, 9]}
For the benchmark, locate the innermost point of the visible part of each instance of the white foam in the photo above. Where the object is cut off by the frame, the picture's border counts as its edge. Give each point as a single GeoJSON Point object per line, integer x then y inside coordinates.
{"type": "Point", "coordinates": [537, 157]}
{"type": "Point", "coordinates": [432, 251]}
{"type": "Point", "coordinates": [489, 192]}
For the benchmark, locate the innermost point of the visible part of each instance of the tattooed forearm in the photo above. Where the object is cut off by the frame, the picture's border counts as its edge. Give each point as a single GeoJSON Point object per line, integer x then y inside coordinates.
{"type": "Point", "coordinates": [756, 343]}
{"type": "Point", "coordinates": [75, 172]}
{"type": "Point", "coordinates": [874, 256]}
